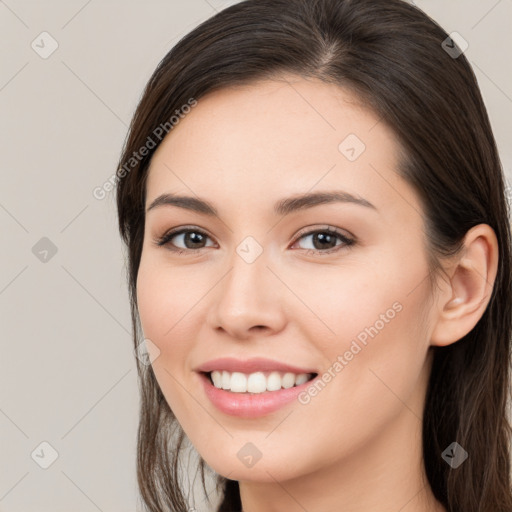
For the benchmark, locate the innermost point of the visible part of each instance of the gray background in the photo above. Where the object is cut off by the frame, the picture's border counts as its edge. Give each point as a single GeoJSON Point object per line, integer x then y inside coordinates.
{"type": "Point", "coordinates": [67, 366]}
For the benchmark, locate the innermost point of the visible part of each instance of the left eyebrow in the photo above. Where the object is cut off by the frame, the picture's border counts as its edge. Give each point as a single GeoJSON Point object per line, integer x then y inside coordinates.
{"type": "Point", "coordinates": [303, 201]}
{"type": "Point", "coordinates": [282, 207]}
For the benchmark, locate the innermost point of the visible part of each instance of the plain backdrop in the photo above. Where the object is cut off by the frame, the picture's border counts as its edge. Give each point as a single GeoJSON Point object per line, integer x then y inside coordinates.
{"type": "Point", "coordinates": [68, 395]}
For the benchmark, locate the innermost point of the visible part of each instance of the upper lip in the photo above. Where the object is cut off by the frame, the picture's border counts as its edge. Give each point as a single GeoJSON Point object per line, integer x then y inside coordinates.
{"type": "Point", "coordinates": [257, 364]}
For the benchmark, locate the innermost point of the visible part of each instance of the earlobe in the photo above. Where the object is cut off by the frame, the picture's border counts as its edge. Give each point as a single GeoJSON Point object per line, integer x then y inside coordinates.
{"type": "Point", "coordinates": [463, 302]}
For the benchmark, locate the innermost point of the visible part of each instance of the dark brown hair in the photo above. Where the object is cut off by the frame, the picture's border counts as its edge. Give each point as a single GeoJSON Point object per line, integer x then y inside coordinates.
{"type": "Point", "coordinates": [391, 55]}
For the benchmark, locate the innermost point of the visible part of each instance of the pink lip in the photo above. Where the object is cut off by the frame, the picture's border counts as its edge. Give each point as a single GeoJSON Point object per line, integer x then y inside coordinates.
{"type": "Point", "coordinates": [258, 364]}
{"type": "Point", "coordinates": [248, 405]}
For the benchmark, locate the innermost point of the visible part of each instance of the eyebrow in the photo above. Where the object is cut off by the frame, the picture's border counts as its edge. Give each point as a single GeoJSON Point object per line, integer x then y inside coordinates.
{"type": "Point", "coordinates": [282, 207]}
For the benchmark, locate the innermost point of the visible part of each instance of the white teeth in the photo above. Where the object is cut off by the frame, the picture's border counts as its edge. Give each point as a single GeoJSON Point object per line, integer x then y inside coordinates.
{"type": "Point", "coordinates": [226, 378]}
{"type": "Point", "coordinates": [288, 380]}
{"type": "Point", "coordinates": [300, 379]}
{"type": "Point", "coordinates": [217, 379]}
{"type": "Point", "coordinates": [257, 382]}
{"type": "Point", "coordinates": [238, 382]}
{"type": "Point", "coordinates": [274, 381]}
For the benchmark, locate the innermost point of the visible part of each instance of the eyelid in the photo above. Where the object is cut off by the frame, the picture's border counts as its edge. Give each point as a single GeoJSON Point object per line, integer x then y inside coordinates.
{"type": "Point", "coordinates": [171, 233]}
{"type": "Point", "coordinates": [347, 239]}
{"type": "Point", "coordinates": [308, 230]}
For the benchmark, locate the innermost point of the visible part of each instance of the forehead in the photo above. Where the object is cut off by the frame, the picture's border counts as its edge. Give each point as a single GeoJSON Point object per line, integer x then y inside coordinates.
{"type": "Point", "coordinates": [253, 143]}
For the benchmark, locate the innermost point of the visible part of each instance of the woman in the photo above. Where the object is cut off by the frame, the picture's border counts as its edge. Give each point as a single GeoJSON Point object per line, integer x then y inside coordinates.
{"type": "Point", "coordinates": [319, 264]}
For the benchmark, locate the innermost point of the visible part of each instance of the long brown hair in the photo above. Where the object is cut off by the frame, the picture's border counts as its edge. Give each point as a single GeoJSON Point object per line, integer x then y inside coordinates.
{"type": "Point", "coordinates": [401, 65]}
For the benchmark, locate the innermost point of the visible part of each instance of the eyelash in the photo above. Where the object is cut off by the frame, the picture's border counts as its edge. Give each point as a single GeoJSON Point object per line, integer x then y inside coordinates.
{"type": "Point", "coordinates": [167, 237]}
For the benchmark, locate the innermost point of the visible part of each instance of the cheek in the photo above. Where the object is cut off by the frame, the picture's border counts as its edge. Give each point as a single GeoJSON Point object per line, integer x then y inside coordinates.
{"type": "Point", "coordinates": [369, 327]}
{"type": "Point", "coordinates": [166, 298]}
{"type": "Point", "coordinates": [340, 302]}
{"type": "Point", "coordinates": [151, 299]}
{"type": "Point", "coordinates": [162, 311]}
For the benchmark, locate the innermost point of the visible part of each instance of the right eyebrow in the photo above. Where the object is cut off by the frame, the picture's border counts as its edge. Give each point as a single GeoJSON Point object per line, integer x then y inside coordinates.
{"type": "Point", "coordinates": [187, 202]}
{"type": "Point", "coordinates": [282, 207]}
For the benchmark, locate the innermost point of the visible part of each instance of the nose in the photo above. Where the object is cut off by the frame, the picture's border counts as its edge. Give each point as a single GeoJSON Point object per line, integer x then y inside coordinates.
{"type": "Point", "coordinates": [248, 300]}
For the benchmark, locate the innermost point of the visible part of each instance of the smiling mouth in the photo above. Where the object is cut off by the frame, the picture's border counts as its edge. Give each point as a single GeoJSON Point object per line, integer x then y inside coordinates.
{"type": "Point", "coordinates": [256, 382]}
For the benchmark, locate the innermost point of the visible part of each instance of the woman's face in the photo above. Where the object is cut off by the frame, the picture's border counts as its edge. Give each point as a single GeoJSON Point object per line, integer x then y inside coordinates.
{"type": "Point", "coordinates": [262, 278]}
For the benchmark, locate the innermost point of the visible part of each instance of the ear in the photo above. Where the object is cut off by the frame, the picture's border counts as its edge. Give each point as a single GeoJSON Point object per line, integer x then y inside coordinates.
{"type": "Point", "coordinates": [462, 302]}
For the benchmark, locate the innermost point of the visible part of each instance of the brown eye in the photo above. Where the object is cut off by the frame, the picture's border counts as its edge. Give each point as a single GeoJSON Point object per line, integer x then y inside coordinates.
{"type": "Point", "coordinates": [326, 241]}
{"type": "Point", "coordinates": [190, 238]}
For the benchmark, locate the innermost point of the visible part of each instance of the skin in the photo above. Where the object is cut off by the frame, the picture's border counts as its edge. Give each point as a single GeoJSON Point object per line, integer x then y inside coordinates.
{"type": "Point", "coordinates": [356, 446]}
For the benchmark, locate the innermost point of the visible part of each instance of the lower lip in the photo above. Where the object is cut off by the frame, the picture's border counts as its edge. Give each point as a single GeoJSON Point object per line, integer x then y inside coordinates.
{"type": "Point", "coordinates": [247, 405]}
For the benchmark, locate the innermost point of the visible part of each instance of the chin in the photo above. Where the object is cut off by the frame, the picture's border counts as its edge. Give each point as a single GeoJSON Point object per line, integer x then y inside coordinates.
{"type": "Point", "coordinates": [261, 470]}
